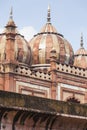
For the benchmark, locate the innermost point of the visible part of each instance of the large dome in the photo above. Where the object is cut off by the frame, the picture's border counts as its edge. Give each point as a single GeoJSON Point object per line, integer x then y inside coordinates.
{"type": "Point", "coordinates": [11, 40]}
{"type": "Point", "coordinates": [48, 38]}
{"type": "Point", "coordinates": [80, 57]}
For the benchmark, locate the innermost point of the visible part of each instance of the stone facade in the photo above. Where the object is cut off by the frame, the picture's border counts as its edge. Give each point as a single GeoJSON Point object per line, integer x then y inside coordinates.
{"type": "Point", "coordinates": [18, 111]}
{"type": "Point", "coordinates": [50, 86]}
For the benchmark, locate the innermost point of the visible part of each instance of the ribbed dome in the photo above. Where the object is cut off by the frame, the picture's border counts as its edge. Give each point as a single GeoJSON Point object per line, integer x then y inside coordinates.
{"type": "Point", "coordinates": [80, 57]}
{"type": "Point", "coordinates": [48, 28]}
{"type": "Point", "coordinates": [48, 38]}
{"type": "Point", "coordinates": [12, 41]}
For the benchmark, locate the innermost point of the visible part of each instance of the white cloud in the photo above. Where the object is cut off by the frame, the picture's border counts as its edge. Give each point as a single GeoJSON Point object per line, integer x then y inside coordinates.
{"type": "Point", "coordinates": [28, 32]}
{"type": "Point", "coordinates": [1, 30]}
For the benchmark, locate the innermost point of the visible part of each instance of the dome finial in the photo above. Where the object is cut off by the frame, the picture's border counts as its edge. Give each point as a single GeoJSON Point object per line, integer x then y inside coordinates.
{"type": "Point", "coordinates": [11, 13]}
{"type": "Point", "coordinates": [48, 15]}
{"type": "Point", "coordinates": [81, 42]}
{"type": "Point", "coordinates": [10, 21]}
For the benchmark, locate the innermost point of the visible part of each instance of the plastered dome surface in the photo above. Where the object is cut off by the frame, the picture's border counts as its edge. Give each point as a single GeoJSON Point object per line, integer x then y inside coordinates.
{"type": "Point", "coordinates": [12, 41]}
{"type": "Point", "coordinates": [48, 38]}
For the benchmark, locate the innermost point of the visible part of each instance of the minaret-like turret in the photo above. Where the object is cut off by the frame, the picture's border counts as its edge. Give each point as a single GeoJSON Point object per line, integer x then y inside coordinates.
{"type": "Point", "coordinates": [10, 38]}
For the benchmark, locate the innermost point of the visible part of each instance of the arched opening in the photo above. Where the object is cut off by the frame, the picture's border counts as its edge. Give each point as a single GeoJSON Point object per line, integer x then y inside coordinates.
{"type": "Point", "coordinates": [72, 99]}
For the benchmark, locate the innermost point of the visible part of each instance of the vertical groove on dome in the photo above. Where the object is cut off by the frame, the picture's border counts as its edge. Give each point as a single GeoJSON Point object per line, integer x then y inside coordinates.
{"type": "Point", "coordinates": [51, 29]}
{"type": "Point", "coordinates": [24, 50]}
{"type": "Point", "coordinates": [35, 49]}
{"type": "Point", "coordinates": [49, 46]}
{"type": "Point", "coordinates": [55, 40]}
{"type": "Point", "coordinates": [46, 28]}
{"type": "Point", "coordinates": [62, 50]}
{"type": "Point", "coordinates": [42, 49]}
{"type": "Point", "coordinates": [67, 49]}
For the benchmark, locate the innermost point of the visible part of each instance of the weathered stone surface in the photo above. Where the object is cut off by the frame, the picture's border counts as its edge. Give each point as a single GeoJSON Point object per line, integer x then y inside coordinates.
{"type": "Point", "coordinates": [31, 103]}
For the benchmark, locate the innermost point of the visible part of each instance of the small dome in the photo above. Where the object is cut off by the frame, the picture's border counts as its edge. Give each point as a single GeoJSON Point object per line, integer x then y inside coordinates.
{"type": "Point", "coordinates": [48, 38]}
{"type": "Point", "coordinates": [80, 57]}
{"type": "Point", "coordinates": [11, 40]}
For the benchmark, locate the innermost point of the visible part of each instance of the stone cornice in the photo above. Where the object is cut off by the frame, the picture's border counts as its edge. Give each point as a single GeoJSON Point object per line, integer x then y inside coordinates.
{"type": "Point", "coordinates": [48, 106]}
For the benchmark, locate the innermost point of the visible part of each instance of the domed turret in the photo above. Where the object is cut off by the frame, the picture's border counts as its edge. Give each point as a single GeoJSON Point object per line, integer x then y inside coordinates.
{"type": "Point", "coordinates": [13, 46]}
{"type": "Point", "coordinates": [48, 38]}
{"type": "Point", "coordinates": [80, 57]}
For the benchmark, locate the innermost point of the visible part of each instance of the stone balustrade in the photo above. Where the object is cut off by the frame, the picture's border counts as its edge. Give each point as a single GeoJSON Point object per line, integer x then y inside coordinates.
{"type": "Point", "coordinates": [71, 70]}
{"type": "Point", "coordinates": [43, 73]}
{"type": "Point", "coordinates": [40, 74]}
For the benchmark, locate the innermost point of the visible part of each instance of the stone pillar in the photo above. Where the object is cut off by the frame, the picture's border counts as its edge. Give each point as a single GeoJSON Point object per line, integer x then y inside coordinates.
{"type": "Point", "coordinates": [10, 40]}
{"type": "Point", "coordinates": [53, 57]}
{"type": "Point", "coordinates": [9, 82]}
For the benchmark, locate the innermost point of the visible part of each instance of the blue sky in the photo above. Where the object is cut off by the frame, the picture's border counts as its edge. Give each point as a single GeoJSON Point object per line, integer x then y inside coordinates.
{"type": "Point", "coordinates": [68, 16]}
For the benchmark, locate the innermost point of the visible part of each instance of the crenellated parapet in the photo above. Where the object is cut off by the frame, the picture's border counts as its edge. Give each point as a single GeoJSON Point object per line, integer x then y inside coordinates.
{"type": "Point", "coordinates": [72, 70]}
{"type": "Point", "coordinates": [39, 73]}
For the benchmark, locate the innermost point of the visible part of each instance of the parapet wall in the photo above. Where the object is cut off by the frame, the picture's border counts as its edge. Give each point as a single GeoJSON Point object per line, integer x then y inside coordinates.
{"type": "Point", "coordinates": [40, 73]}
{"type": "Point", "coordinates": [44, 74]}
{"type": "Point", "coordinates": [71, 70]}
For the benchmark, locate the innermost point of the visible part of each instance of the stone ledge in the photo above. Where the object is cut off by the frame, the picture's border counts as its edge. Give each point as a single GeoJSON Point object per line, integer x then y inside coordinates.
{"type": "Point", "coordinates": [30, 103]}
